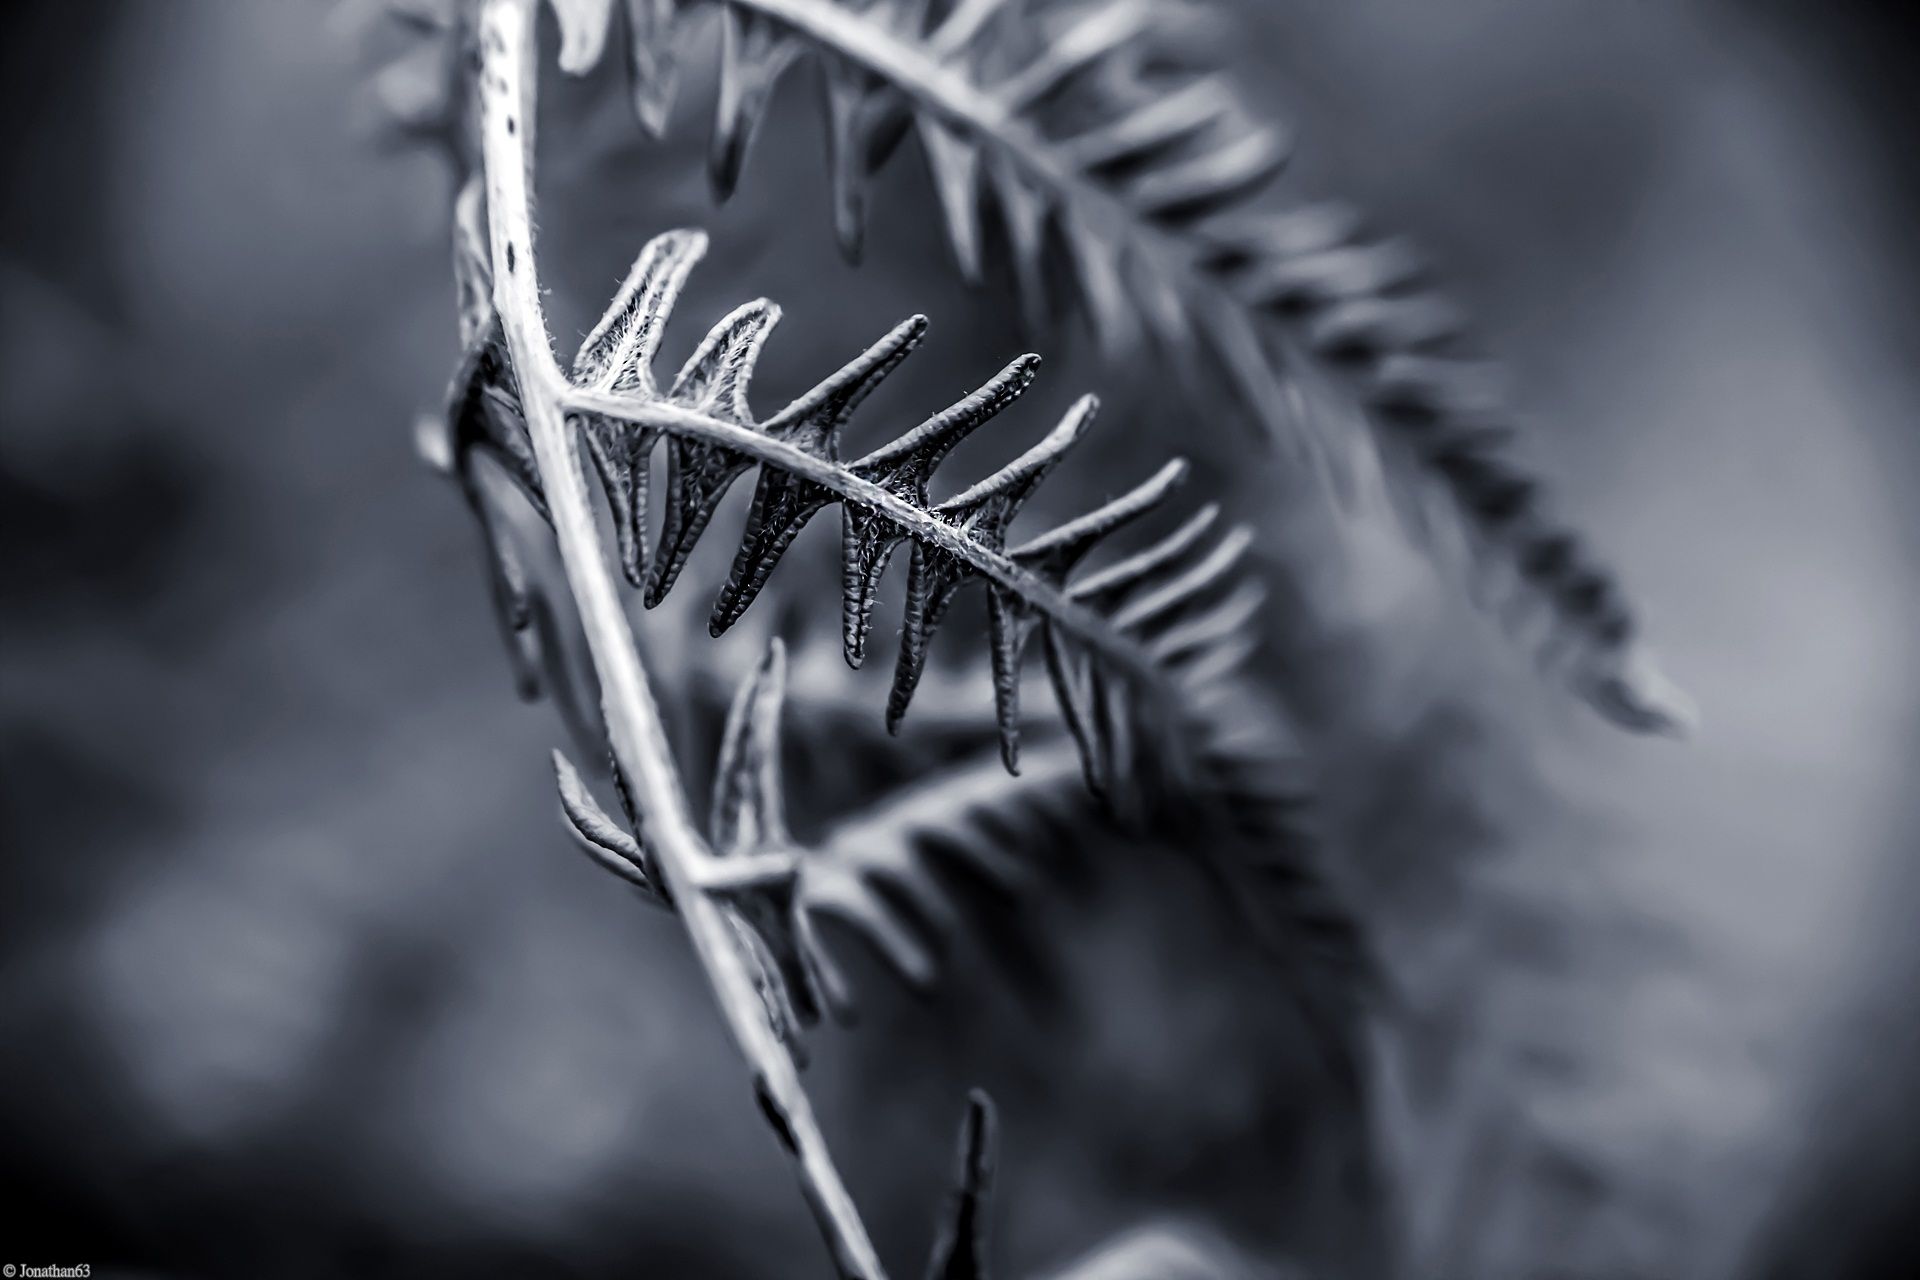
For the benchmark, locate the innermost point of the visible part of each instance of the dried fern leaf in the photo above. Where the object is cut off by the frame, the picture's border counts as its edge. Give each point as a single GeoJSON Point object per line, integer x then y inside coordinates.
{"type": "Point", "coordinates": [481, 426]}
{"type": "Point", "coordinates": [886, 877]}
{"type": "Point", "coordinates": [890, 873]}
{"type": "Point", "coordinates": [1153, 201]}
{"type": "Point", "coordinates": [600, 837]}
{"type": "Point", "coordinates": [1123, 667]}
{"type": "Point", "coordinates": [1138, 652]}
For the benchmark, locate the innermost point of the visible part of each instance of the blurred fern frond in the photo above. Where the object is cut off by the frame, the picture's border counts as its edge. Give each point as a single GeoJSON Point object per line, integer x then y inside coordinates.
{"type": "Point", "coordinates": [1069, 123]}
{"type": "Point", "coordinates": [905, 872]}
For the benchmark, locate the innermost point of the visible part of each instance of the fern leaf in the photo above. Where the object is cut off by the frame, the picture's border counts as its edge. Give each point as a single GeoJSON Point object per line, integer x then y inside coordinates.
{"type": "Point", "coordinates": [752, 864]}
{"type": "Point", "coordinates": [711, 439]}
{"type": "Point", "coordinates": [891, 874]}
{"type": "Point", "coordinates": [887, 876]}
{"type": "Point", "coordinates": [1153, 200]}
{"type": "Point", "coordinates": [783, 503]}
{"type": "Point", "coordinates": [896, 873]}
{"type": "Point", "coordinates": [602, 839]}
{"type": "Point", "coordinates": [482, 424]}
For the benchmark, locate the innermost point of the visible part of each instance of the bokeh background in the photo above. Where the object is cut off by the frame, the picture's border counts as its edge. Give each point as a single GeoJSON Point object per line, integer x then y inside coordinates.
{"type": "Point", "coordinates": [297, 976]}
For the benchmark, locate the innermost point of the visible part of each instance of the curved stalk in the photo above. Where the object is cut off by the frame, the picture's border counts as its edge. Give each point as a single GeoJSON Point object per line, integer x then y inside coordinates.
{"type": "Point", "coordinates": [507, 94]}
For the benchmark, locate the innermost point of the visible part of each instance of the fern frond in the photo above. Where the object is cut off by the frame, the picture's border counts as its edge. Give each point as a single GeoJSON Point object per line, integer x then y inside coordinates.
{"type": "Point", "coordinates": [1115, 677]}
{"type": "Point", "coordinates": [1153, 202]}
{"type": "Point", "coordinates": [891, 873]}
{"type": "Point", "coordinates": [601, 838]}
{"type": "Point", "coordinates": [753, 869]}
{"type": "Point", "coordinates": [895, 872]}
{"type": "Point", "coordinates": [751, 863]}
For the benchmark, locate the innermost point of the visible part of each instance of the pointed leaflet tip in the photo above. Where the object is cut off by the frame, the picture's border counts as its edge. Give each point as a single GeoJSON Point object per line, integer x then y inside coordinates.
{"type": "Point", "coordinates": [911, 458]}
{"type": "Point", "coordinates": [782, 505]}
{"type": "Point", "coordinates": [1158, 124]}
{"type": "Point", "coordinates": [932, 578]}
{"type": "Point", "coordinates": [1167, 598]}
{"type": "Point", "coordinates": [954, 162]}
{"type": "Point", "coordinates": [753, 54]}
{"type": "Point", "coordinates": [1635, 694]}
{"type": "Point", "coordinates": [960, 1250]}
{"type": "Point", "coordinates": [652, 56]}
{"type": "Point", "coordinates": [599, 836]}
{"type": "Point", "coordinates": [1054, 554]}
{"type": "Point", "coordinates": [715, 377]}
{"type": "Point", "coordinates": [1014, 483]}
{"type": "Point", "coordinates": [618, 354]}
{"type": "Point", "coordinates": [1007, 636]}
{"type": "Point", "coordinates": [902, 466]}
{"type": "Point", "coordinates": [813, 421]}
{"type": "Point", "coordinates": [622, 455]}
{"type": "Point", "coordinates": [782, 501]}
{"type": "Point", "coordinates": [1211, 181]}
{"type": "Point", "coordinates": [698, 477]}
{"type": "Point", "coordinates": [583, 32]}
{"type": "Point", "coordinates": [847, 91]}
{"type": "Point", "coordinates": [1072, 677]}
{"type": "Point", "coordinates": [1099, 589]}
{"type": "Point", "coordinates": [867, 541]}
{"type": "Point", "coordinates": [748, 811]}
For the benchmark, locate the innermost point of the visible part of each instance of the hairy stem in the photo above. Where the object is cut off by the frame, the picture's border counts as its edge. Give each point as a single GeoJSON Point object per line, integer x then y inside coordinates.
{"type": "Point", "coordinates": [506, 87]}
{"type": "Point", "coordinates": [1084, 624]}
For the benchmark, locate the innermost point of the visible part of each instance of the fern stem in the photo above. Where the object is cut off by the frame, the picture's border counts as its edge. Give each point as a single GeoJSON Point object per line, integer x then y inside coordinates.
{"type": "Point", "coordinates": [1096, 632]}
{"type": "Point", "coordinates": [507, 92]}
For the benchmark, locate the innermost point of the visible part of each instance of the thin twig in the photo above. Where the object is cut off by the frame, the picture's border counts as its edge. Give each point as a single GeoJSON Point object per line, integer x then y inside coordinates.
{"type": "Point", "coordinates": [507, 88]}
